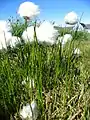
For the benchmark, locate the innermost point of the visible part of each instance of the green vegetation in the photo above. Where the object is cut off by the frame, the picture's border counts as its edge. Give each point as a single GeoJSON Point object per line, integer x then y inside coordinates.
{"type": "Point", "coordinates": [62, 79]}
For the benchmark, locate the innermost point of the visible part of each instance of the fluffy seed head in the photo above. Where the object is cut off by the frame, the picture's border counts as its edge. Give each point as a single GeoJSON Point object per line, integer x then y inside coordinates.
{"type": "Point", "coordinates": [71, 18]}
{"type": "Point", "coordinates": [28, 10]}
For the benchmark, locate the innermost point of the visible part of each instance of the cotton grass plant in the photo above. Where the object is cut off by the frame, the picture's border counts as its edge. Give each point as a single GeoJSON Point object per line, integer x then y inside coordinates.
{"type": "Point", "coordinates": [51, 75]}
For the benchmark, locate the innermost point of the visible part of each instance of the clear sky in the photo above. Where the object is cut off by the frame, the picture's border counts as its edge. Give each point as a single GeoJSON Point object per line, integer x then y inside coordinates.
{"type": "Point", "coordinates": [50, 9]}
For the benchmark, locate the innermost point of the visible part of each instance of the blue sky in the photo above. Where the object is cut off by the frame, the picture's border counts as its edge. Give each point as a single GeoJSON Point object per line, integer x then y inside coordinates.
{"type": "Point", "coordinates": [50, 9]}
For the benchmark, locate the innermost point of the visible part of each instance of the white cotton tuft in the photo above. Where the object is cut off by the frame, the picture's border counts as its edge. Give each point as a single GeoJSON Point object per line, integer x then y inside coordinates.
{"type": "Point", "coordinates": [77, 51]}
{"type": "Point", "coordinates": [4, 38]}
{"type": "Point", "coordinates": [13, 41]}
{"type": "Point", "coordinates": [28, 9]}
{"type": "Point", "coordinates": [35, 109]}
{"type": "Point", "coordinates": [30, 81]}
{"type": "Point", "coordinates": [27, 110]}
{"type": "Point", "coordinates": [47, 33]}
{"type": "Point", "coordinates": [71, 18]}
{"type": "Point", "coordinates": [28, 34]}
{"type": "Point", "coordinates": [4, 26]}
{"type": "Point", "coordinates": [64, 39]}
{"type": "Point", "coordinates": [79, 26]}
